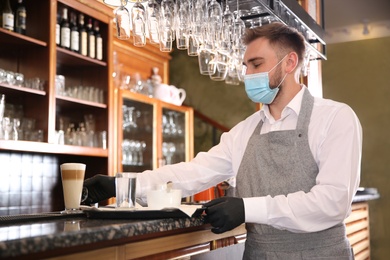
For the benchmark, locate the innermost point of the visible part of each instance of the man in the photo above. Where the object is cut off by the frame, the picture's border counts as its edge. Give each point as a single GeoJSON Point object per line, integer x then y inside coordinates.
{"type": "Point", "coordinates": [296, 162]}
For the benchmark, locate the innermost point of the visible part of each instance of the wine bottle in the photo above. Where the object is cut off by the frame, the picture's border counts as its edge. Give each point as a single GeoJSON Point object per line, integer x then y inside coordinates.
{"type": "Point", "coordinates": [83, 42]}
{"type": "Point", "coordinates": [20, 18]}
{"type": "Point", "coordinates": [91, 40]}
{"type": "Point", "coordinates": [8, 16]}
{"type": "Point", "coordinates": [65, 29]}
{"type": "Point", "coordinates": [74, 33]}
{"type": "Point", "coordinates": [99, 42]}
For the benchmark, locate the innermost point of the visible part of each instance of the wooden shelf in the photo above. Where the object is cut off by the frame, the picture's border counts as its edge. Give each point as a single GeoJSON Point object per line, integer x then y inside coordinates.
{"type": "Point", "coordinates": [19, 39]}
{"type": "Point", "coordinates": [64, 100]}
{"type": "Point", "coordinates": [71, 58]}
{"type": "Point", "coordinates": [40, 147]}
{"type": "Point", "coordinates": [6, 89]}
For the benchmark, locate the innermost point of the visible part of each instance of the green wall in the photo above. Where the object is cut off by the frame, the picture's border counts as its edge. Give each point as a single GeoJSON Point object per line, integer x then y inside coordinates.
{"type": "Point", "coordinates": [358, 73]}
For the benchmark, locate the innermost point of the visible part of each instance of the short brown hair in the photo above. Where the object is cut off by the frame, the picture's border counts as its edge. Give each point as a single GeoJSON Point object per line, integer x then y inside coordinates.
{"type": "Point", "coordinates": [279, 35]}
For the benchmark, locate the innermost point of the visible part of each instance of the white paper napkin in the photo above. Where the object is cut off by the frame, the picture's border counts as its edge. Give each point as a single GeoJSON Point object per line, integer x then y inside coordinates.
{"type": "Point", "coordinates": [189, 210]}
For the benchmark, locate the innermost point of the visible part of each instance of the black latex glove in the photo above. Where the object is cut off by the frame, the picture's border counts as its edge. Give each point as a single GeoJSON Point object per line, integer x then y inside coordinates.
{"type": "Point", "coordinates": [100, 187]}
{"type": "Point", "coordinates": [225, 213]}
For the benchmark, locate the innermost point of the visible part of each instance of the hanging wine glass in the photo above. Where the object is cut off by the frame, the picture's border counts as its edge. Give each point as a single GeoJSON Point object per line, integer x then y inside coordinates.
{"type": "Point", "coordinates": [214, 25]}
{"type": "Point", "coordinates": [227, 28]}
{"type": "Point", "coordinates": [122, 19]}
{"type": "Point", "coordinates": [182, 24]}
{"type": "Point", "coordinates": [231, 76]}
{"type": "Point", "coordinates": [153, 13]}
{"type": "Point", "coordinates": [218, 66]}
{"type": "Point", "coordinates": [205, 55]}
{"type": "Point", "coordinates": [138, 18]}
{"type": "Point", "coordinates": [199, 21]}
{"type": "Point", "coordinates": [167, 28]}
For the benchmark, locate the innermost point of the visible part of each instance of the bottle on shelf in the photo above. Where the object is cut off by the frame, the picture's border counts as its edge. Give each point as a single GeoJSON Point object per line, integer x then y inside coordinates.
{"type": "Point", "coordinates": [7, 16]}
{"type": "Point", "coordinates": [83, 42]}
{"type": "Point", "coordinates": [91, 40]}
{"type": "Point", "coordinates": [58, 29]}
{"type": "Point", "coordinates": [65, 29]}
{"type": "Point", "coordinates": [74, 33]}
{"type": "Point", "coordinates": [20, 18]}
{"type": "Point", "coordinates": [99, 42]}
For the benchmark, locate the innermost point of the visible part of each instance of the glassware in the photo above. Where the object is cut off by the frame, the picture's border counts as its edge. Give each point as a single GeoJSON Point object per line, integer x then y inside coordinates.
{"type": "Point", "coordinates": [214, 24]}
{"type": "Point", "coordinates": [204, 57]}
{"type": "Point", "coordinates": [3, 76]}
{"type": "Point", "coordinates": [193, 45]}
{"type": "Point", "coordinates": [168, 150]}
{"type": "Point", "coordinates": [129, 119]}
{"type": "Point", "coordinates": [218, 66]}
{"type": "Point", "coordinates": [138, 15]}
{"type": "Point", "coordinates": [122, 19]}
{"type": "Point", "coordinates": [167, 24]}
{"type": "Point", "coordinates": [153, 13]}
{"type": "Point", "coordinates": [231, 76]}
{"type": "Point", "coordinates": [16, 134]}
{"type": "Point", "coordinates": [7, 128]}
{"type": "Point", "coordinates": [227, 29]}
{"type": "Point", "coordinates": [182, 24]}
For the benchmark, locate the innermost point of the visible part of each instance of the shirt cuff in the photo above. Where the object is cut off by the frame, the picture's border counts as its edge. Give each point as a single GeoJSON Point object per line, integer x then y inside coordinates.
{"type": "Point", "coordinates": [256, 210]}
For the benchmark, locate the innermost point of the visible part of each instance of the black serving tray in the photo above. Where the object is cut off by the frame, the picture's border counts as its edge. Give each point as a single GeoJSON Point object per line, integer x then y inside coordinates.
{"type": "Point", "coordinates": [35, 217]}
{"type": "Point", "coordinates": [139, 214]}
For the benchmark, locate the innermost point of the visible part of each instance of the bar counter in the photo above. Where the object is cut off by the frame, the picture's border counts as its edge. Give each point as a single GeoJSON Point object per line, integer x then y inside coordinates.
{"type": "Point", "coordinates": [55, 235]}
{"type": "Point", "coordinates": [106, 238]}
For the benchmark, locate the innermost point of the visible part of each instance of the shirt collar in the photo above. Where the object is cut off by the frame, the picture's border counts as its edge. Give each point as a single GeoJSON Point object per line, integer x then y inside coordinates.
{"type": "Point", "coordinates": [293, 106]}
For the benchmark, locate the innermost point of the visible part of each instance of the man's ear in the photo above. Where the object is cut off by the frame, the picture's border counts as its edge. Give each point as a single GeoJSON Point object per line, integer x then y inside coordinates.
{"type": "Point", "coordinates": [292, 62]}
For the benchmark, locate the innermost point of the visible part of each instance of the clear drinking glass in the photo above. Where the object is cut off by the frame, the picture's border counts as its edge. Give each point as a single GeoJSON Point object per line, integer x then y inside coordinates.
{"type": "Point", "coordinates": [138, 15]}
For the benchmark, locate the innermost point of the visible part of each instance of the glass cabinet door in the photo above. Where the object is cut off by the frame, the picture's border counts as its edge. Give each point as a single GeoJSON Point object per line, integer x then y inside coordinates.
{"type": "Point", "coordinates": [176, 135]}
{"type": "Point", "coordinates": [136, 151]}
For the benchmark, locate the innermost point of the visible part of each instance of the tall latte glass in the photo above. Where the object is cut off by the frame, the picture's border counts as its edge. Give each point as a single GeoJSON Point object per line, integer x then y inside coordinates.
{"type": "Point", "coordinates": [72, 175]}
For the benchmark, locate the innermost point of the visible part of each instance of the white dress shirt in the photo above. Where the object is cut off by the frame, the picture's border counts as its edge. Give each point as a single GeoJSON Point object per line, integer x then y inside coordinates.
{"type": "Point", "coordinates": [335, 139]}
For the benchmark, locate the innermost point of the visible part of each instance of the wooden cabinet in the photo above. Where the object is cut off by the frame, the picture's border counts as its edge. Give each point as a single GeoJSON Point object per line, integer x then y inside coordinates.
{"type": "Point", "coordinates": [152, 132]}
{"type": "Point", "coordinates": [37, 56]}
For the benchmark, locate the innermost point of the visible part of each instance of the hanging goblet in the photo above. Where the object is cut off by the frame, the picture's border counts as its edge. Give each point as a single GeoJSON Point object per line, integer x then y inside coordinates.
{"type": "Point", "coordinates": [138, 15]}
{"type": "Point", "coordinates": [122, 19]}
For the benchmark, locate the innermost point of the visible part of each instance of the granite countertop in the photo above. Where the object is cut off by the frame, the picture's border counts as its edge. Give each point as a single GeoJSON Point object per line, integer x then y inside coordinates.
{"type": "Point", "coordinates": [58, 232]}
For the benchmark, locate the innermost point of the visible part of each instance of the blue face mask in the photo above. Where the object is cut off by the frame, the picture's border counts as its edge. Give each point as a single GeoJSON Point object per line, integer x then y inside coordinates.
{"type": "Point", "coordinates": [257, 86]}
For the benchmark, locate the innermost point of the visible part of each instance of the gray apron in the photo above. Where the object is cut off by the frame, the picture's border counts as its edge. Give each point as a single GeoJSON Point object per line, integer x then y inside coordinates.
{"type": "Point", "coordinates": [279, 163]}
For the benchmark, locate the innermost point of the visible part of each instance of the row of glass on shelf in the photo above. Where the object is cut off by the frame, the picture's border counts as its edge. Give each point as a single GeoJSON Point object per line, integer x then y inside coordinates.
{"type": "Point", "coordinates": [17, 79]}
{"type": "Point", "coordinates": [82, 134]}
{"type": "Point", "coordinates": [135, 120]}
{"type": "Point", "coordinates": [133, 152]}
{"type": "Point", "coordinates": [14, 126]}
{"type": "Point", "coordinates": [87, 93]}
